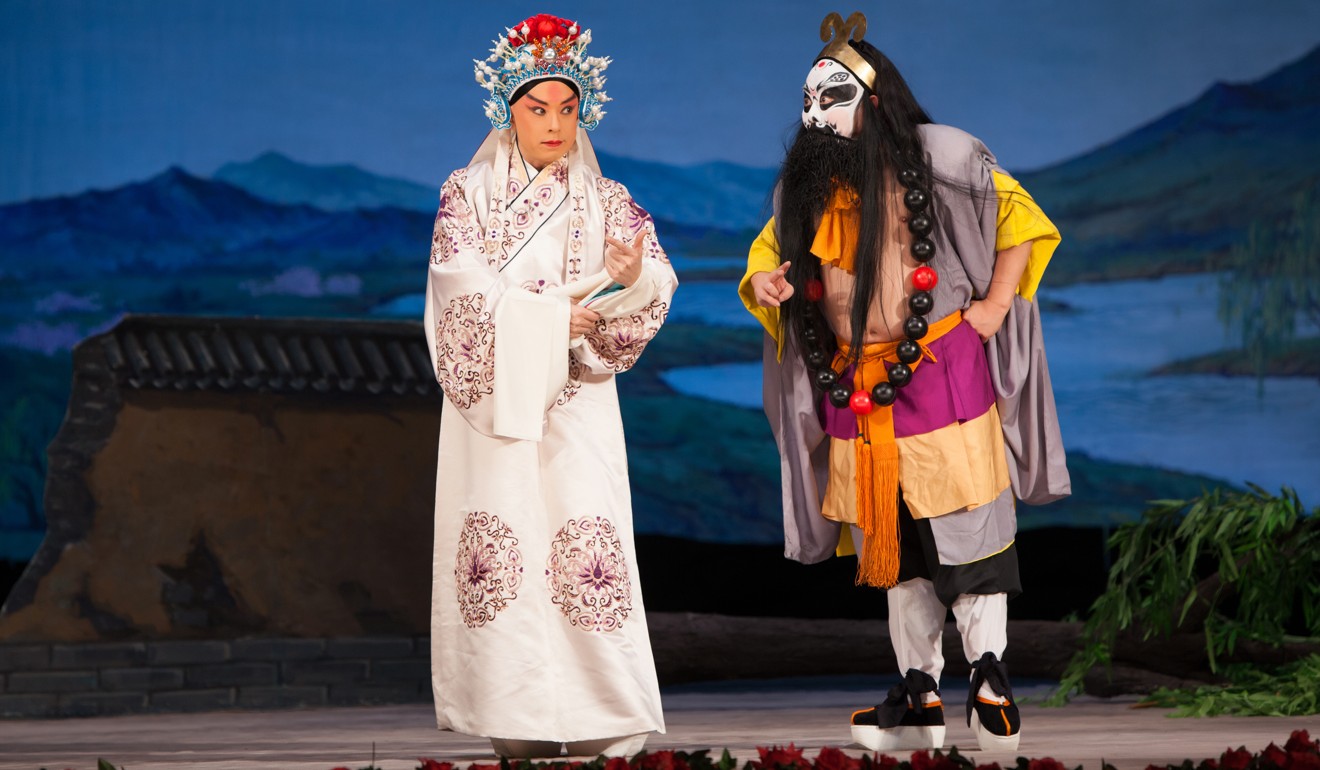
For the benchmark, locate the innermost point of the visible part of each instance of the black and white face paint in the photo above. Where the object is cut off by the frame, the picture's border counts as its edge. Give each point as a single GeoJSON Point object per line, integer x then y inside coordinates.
{"type": "Point", "coordinates": [830, 98]}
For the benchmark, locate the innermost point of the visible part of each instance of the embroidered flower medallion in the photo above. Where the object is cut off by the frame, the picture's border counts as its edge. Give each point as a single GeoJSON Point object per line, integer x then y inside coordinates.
{"type": "Point", "coordinates": [588, 576]}
{"type": "Point", "coordinates": [488, 568]}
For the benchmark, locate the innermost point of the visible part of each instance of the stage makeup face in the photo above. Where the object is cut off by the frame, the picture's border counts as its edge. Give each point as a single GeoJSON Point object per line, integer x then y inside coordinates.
{"type": "Point", "coordinates": [830, 98]}
{"type": "Point", "coordinates": [545, 120]}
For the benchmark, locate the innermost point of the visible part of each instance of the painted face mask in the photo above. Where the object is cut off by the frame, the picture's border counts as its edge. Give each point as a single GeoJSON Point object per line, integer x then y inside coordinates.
{"type": "Point", "coordinates": [830, 98]}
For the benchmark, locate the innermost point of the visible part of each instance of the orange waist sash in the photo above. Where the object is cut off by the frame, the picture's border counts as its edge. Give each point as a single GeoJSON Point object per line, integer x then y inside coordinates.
{"type": "Point", "coordinates": [877, 454]}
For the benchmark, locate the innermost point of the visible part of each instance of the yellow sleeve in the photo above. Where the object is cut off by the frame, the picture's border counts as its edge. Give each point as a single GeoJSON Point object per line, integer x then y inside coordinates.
{"type": "Point", "coordinates": [1021, 220]}
{"type": "Point", "coordinates": [762, 257]}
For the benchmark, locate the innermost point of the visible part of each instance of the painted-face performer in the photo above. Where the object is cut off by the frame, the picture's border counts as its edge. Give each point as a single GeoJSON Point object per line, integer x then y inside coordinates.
{"type": "Point", "coordinates": [905, 380]}
{"type": "Point", "coordinates": [546, 280]}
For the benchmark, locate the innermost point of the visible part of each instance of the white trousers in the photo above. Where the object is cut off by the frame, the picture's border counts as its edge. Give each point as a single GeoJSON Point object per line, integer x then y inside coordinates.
{"type": "Point", "coordinates": [916, 626]}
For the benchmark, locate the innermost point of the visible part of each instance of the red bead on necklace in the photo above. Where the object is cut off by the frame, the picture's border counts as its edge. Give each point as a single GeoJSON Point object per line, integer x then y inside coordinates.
{"type": "Point", "coordinates": [924, 278]}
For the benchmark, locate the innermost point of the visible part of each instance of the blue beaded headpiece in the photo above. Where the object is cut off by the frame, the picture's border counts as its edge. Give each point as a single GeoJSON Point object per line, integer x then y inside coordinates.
{"type": "Point", "coordinates": [543, 47]}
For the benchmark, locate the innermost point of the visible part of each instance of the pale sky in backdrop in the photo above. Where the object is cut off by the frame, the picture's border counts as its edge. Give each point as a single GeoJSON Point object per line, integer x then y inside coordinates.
{"type": "Point", "coordinates": [96, 93]}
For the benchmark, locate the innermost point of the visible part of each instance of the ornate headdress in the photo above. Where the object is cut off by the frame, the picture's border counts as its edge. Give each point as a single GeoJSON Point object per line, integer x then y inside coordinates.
{"type": "Point", "coordinates": [542, 47]}
{"type": "Point", "coordinates": [835, 33]}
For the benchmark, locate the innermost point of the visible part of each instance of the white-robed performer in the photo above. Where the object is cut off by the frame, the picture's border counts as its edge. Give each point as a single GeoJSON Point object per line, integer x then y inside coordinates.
{"type": "Point", "coordinates": [545, 281]}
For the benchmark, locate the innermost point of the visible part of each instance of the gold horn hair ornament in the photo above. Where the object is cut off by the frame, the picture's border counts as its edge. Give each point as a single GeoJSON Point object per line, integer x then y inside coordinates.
{"type": "Point", "coordinates": [835, 33]}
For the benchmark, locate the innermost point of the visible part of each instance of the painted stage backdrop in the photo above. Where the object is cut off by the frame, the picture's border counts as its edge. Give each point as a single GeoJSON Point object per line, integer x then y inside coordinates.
{"type": "Point", "coordinates": [283, 159]}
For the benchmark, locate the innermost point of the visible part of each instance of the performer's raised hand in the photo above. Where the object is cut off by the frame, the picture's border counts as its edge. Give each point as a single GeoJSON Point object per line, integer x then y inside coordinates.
{"type": "Point", "coordinates": [582, 320]}
{"type": "Point", "coordinates": [772, 289]}
{"type": "Point", "coordinates": [624, 262]}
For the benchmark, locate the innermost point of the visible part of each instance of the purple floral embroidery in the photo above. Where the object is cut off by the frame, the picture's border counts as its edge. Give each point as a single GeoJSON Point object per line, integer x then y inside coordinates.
{"type": "Point", "coordinates": [455, 225]}
{"type": "Point", "coordinates": [574, 384]}
{"type": "Point", "coordinates": [620, 340]}
{"type": "Point", "coordinates": [465, 350]}
{"type": "Point", "coordinates": [577, 224]}
{"type": "Point", "coordinates": [623, 215]}
{"type": "Point", "coordinates": [512, 225]}
{"type": "Point", "coordinates": [587, 575]}
{"type": "Point", "coordinates": [488, 569]}
{"type": "Point", "coordinates": [544, 194]}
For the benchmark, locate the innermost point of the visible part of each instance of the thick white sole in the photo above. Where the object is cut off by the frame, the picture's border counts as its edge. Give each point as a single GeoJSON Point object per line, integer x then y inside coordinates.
{"type": "Point", "coordinates": [898, 738]}
{"type": "Point", "coordinates": [988, 741]}
{"type": "Point", "coordinates": [626, 746]}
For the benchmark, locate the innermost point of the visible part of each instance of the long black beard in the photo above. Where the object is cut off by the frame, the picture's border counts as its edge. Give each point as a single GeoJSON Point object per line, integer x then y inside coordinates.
{"type": "Point", "coordinates": [816, 165]}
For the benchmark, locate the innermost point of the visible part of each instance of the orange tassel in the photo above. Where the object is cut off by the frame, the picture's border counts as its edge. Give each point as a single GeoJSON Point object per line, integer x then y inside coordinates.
{"type": "Point", "coordinates": [865, 488]}
{"type": "Point", "coordinates": [885, 474]}
{"type": "Point", "coordinates": [877, 514]}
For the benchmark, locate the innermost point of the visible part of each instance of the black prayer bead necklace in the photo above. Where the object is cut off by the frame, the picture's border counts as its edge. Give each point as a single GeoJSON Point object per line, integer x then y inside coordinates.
{"type": "Point", "coordinates": [917, 200]}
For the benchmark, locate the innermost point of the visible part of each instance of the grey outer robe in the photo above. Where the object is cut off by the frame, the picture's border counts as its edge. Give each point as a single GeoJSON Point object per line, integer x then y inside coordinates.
{"type": "Point", "coordinates": [965, 260]}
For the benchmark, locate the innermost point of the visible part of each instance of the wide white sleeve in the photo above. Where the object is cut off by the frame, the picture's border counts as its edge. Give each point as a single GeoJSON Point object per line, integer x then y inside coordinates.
{"type": "Point", "coordinates": [499, 351]}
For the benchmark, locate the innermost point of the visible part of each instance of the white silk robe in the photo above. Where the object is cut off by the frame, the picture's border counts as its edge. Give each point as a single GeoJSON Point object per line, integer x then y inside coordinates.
{"type": "Point", "coordinates": [537, 626]}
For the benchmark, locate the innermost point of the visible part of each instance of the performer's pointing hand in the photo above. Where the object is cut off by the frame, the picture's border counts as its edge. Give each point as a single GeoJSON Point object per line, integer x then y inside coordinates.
{"type": "Point", "coordinates": [772, 289]}
{"type": "Point", "coordinates": [624, 262]}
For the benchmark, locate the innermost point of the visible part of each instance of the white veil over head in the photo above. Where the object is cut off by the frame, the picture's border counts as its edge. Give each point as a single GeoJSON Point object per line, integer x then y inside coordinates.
{"type": "Point", "coordinates": [582, 152]}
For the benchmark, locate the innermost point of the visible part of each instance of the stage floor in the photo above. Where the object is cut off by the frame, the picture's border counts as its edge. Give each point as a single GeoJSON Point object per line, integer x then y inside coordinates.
{"type": "Point", "coordinates": [738, 715]}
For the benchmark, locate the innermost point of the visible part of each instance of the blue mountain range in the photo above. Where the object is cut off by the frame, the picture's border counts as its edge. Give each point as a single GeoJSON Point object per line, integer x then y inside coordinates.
{"type": "Point", "coordinates": [342, 187]}
{"type": "Point", "coordinates": [1158, 199]}
{"type": "Point", "coordinates": [176, 222]}
{"type": "Point", "coordinates": [724, 196]}
{"type": "Point", "coordinates": [1187, 186]}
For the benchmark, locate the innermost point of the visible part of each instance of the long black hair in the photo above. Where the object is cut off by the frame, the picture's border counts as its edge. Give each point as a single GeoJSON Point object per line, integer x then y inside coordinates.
{"type": "Point", "coordinates": [869, 163]}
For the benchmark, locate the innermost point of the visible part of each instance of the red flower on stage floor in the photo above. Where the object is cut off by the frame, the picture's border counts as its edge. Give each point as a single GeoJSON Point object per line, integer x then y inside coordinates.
{"type": "Point", "coordinates": [1235, 759]}
{"type": "Point", "coordinates": [431, 764]}
{"type": "Point", "coordinates": [1273, 756]}
{"type": "Point", "coordinates": [789, 758]}
{"type": "Point", "coordinates": [831, 758]}
{"type": "Point", "coordinates": [922, 760]}
{"type": "Point", "coordinates": [1300, 740]}
{"type": "Point", "coordinates": [661, 760]}
{"type": "Point", "coordinates": [880, 762]}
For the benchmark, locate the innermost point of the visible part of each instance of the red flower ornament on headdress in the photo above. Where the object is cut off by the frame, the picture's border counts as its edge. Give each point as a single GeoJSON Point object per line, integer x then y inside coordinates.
{"type": "Point", "coordinates": [543, 26]}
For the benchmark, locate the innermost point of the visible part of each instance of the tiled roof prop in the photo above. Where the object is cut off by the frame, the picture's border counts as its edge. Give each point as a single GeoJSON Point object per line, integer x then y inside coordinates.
{"type": "Point", "coordinates": [269, 355]}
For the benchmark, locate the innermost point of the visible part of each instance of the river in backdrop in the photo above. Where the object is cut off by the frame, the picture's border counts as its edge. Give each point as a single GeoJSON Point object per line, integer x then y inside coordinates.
{"type": "Point", "coordinates": [1101, 349]}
